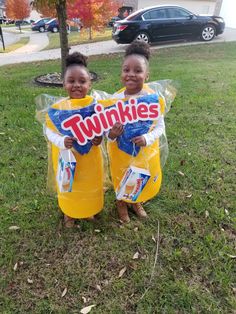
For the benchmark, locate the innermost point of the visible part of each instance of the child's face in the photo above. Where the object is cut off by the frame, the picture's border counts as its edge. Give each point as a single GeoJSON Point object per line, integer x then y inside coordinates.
{"type": "Point", "coordinates": [77, 81]}
{"type": "Point", "coordinates": [134, 73]}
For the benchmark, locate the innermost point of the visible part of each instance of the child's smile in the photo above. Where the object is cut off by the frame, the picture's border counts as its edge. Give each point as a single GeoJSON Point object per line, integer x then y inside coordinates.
{"type": "Point", "coordinates": [134, 73]}
{"type": "Point", "coordinates": [77, 82]}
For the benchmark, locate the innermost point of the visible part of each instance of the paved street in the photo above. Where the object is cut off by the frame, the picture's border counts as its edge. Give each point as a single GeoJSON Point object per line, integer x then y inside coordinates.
{"type": "Point", "coordinates": [38, 41]}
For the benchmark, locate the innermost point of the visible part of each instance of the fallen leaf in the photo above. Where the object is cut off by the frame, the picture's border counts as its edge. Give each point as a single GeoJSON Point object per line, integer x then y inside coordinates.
{"type": "Point", "coordinates": [136, 229]}
{"type": "Point", "coordinates": [97, 230]}
{"type": "Point", "coordinates": [14, 228]}
{"type": "Point", "coordinates": [30, 280]}
{"type": "Point", "coordinates": [181, 173]}
{"type": "Point", "coordinates": [226, 212]}
{"type": "Point", "coordinates": [64, 292]}
{"type": "Point", "coordinates": [154, 239]}
{"type": "Point", "coordinates": [13, 175]}
{"type": "Point", "coordinates": [15, 266]}
{"type": "Point", "coordinates": [87, 309]}
{"type": "Point", "coordinates": [136, 255]}
{"type": "Point", "coordinates": [206, 213]}
{"type": "Point", "coordinates": [2, 133]}
{"type": "Point", "coordinates": [98, 287]}
{"type": "Point", "coordinates": [231, 256]}
{"type": "Point", "coordinates": [122, 271]}
{"type": "Point", "coordinates": [189, 195]}
{"type": "Point", "coordinates": [34, 148]}
{"type": "Point", "coordinates": [84, 299]}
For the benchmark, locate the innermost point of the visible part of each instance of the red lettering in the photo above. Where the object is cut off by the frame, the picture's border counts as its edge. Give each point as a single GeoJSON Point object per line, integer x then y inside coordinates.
{"type": "Point", "coordinates": [112, 116]}
{"type": "Point", "coordinates": [72, 125]}
{"type": "Point", "coordinates": [124, 111]}
{"type": "Point", "coordinates": [154, 111]}
{"type": "Point", "coordinates": [91, 126]}
{"type": "Point", "coordinates": [142, 111]}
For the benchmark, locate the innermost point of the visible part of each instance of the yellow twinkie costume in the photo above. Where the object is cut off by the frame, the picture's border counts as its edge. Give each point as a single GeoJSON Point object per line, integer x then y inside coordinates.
{"type": "Point", "coordinates": [86, 198]}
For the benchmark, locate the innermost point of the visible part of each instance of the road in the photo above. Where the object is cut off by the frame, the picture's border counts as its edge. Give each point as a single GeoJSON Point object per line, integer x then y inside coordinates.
{"type": "Point", "coordinates": [38, 41]}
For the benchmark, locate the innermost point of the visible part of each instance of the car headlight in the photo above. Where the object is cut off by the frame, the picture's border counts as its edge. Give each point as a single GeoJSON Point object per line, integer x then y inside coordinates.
{"type": "Point", "coordinates": [219, 19]}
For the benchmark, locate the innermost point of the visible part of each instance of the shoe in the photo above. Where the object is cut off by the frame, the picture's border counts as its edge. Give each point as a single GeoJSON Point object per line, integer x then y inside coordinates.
{"type": "Point", "coordinates": [139, 210]}
{"type": "Point", "coordinates": [122, 211]}
{"type": "Point", "coordinates": [69, 222]}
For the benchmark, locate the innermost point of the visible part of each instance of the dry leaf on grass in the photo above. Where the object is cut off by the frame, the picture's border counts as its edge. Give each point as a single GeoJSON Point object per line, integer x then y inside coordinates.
{"type": "Point", "coordinates": [154, 239]}
{"type": "Point", "coordinates": [98, 287]}
{"type": "Point", "coordinates": [14, 228]}
{"type": "Point", "coordinates": [136, 255]}
{"type": "Point", "coordinates": [122, 271]}
{"type": "Point", "coordinates": [84, 299]}
{"type": "Point", "coordinates": [181, 173]}
{"type": "Point", "coordinates": [189, 195]}
{"type": "Point", "coordinates": [15, 266]}
{"type": "Point", "coordinates": [87, 309]}
{"type": "Point", "coordinates": [136, 229]}
{"type": "Point", "coordinates": [64, 292]}
{"type": "Point", "coordinates": [206, 213]}
{"type": "Point", "coordinates": [97, 230]}
{"type": "Point", "coordinates": [30, 281]}
{"type": "Point", "coordinates": [231, 256]}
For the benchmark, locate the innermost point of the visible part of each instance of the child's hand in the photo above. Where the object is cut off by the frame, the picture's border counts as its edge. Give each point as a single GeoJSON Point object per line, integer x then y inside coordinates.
{"type": "Point", "coordinates": [139, 140]}
{"type": "Point", "coordinates": [116, 130]}
{"type": "Point", "coordinates": [97, 140]}
{"type": "Point", "coordinates": [68, 141]}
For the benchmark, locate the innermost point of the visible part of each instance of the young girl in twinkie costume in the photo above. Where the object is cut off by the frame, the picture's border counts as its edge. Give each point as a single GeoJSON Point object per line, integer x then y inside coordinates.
{"type": "Point", "coordinates": [135, 71]}
{"type": "Point", "coordinates": [86, 198]}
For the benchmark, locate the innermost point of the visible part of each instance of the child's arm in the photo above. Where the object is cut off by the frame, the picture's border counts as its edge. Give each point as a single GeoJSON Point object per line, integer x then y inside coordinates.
{"type": "Point", "coordinates": [97, 140]}
{"type": "Point", "coordinates": [61, 142]}
{"type": "Point", "coordinates": [115, 131]}
{"type": "Point", "coordinates": [149, 138]}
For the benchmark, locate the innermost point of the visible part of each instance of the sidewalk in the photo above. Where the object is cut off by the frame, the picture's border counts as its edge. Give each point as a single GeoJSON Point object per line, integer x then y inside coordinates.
{"type": "Point", "coordinates": [38, 41]}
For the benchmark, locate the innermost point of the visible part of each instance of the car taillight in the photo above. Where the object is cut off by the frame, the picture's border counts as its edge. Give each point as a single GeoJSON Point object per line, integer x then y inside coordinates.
{"type": "Point", "coordinates": [120, 28]}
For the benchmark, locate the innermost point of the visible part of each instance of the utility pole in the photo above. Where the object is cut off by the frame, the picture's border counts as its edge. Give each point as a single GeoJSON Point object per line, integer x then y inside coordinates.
{"type": "Point", "coordinates": [1, 38]}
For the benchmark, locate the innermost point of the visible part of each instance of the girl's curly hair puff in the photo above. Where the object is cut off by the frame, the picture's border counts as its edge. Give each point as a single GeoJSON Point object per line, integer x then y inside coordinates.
{"type": "Point", "coordinates": [76, 58]}
{"type": "Point", "coordinates": [138, 48]}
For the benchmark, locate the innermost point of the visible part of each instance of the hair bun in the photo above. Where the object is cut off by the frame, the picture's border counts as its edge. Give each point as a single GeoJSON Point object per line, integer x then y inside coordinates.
{"type": "Point", "coordinates": [76, 58]}
{"type": "Point", "coordinates": [139, 48]}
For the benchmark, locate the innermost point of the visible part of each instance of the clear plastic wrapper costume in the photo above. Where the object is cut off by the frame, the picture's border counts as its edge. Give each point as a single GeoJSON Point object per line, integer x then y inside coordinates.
{"type": "Point", "coordinates": [136, 171]}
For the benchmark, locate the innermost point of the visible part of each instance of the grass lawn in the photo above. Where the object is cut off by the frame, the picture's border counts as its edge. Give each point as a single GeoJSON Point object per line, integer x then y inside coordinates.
{"type": "Point", "coordinates": [76, 38]}
{"type": "Point", "coordinates": [47, 269]}
{"type": "Point", "coordinates": [20, 43]}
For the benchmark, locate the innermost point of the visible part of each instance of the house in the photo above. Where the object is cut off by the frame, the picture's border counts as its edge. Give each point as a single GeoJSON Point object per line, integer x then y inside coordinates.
{"type": "Point", "coordinates": [196, 6]}
{"type": "Point", "coordinates": [228, 12]}
{"type": "Point", "coordinates": [224, 8]}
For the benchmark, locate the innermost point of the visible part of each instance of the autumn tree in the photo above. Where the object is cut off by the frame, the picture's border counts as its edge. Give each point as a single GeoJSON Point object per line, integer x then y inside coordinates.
{"type": "Point", "coordinates": [60, 7]}
{"type": "Point", "coordinates": [17, 10]}
{"type": "Point", "coordinates": [94, 14]}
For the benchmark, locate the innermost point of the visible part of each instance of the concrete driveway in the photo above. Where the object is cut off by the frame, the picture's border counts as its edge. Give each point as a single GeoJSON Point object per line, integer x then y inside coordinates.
{"type": "Point", "coordinates": [38, 41]}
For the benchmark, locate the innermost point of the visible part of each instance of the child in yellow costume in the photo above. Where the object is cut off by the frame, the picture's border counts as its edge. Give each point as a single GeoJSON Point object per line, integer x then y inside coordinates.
{"type": "Point", "coordinates": [135, 71]}
{"type": "Point", "coordinates": [86, 198]}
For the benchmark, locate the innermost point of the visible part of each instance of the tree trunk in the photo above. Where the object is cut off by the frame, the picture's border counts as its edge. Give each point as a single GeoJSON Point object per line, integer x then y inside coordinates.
{"type": "Point", "coordinates": [62, 17]}
{"type": "Point", "coordinates": [90, 33]}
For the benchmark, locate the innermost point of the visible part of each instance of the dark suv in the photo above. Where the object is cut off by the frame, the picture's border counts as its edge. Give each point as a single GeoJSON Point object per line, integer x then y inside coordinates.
{"type": "Point", "coordinates": [166, 23]}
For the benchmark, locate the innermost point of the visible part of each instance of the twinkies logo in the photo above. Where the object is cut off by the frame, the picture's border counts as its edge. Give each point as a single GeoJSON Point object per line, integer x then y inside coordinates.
{"type": "Point", "coordinates": [85, 129]}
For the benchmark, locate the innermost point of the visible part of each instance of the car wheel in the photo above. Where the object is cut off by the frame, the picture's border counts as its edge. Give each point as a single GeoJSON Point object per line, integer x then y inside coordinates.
{"type": "Point", "coordinates": [41, 29]}
{"type": "Point", "coordinates": [143, 37]}
{"type": "Point", "coordinates": [55, 29]}
{"type": "Point", "coordinates": [208, 33]}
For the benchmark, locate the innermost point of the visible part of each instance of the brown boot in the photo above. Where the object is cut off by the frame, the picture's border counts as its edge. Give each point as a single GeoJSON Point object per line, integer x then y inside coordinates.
{"type": "Point", "coordinates": [69, 222]}
{"type": "Point", "coordinates": [139, 210]}
{"type": "Point", "coordinates": [122, 211]}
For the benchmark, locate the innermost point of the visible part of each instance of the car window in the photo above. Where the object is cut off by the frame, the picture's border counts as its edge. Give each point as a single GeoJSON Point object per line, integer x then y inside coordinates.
{"type": "Point", "coordinates": [177, 13]}
{"type": "Point", "coordinates": [155, 14]}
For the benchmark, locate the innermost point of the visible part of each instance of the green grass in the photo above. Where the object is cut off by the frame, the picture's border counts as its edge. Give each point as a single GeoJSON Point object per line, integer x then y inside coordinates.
{"type": "Point", "coordinates": [20, 43]}
{"type": "Point", "coordinates": [76, 38]}
{"type": "Point", "coordinates": [195, 271]}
